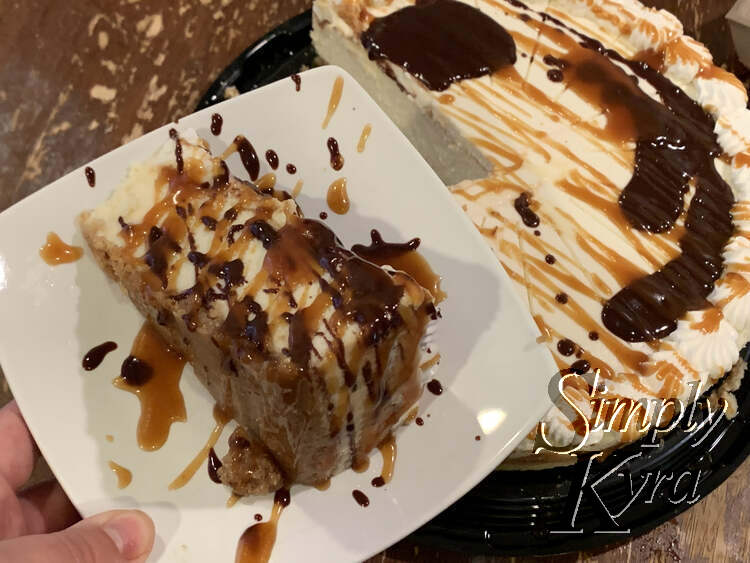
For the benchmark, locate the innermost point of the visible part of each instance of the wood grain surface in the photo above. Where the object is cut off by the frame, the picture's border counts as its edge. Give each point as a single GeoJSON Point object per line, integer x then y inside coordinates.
{"type": "Point", "coordinates": [81, 77]}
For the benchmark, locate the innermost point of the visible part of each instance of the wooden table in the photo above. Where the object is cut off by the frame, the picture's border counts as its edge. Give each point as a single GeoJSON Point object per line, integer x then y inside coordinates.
{"type": "Point", "coordinates": [79, 78]}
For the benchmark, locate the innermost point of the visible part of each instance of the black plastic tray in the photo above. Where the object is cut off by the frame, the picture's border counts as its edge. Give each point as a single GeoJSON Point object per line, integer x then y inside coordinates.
{"type": "Point", "coordinates": [530, 512]}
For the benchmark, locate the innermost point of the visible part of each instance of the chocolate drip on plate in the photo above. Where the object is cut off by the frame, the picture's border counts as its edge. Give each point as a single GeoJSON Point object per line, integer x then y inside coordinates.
{"type": "Point", "coordinates": [248, 156]}
{"type": "Point", "coordinates": [216, 123]}
{"type": "Point", "coordinates": [214, 464]}
{"type": "Point", "coordinates": [96, 355]}
{"type": "Point", "coordinates": [90, 176]}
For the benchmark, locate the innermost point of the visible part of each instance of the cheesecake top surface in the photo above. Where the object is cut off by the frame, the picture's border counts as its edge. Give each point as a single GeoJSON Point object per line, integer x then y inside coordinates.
{"type": "Point", "coordinates": [619, 190]}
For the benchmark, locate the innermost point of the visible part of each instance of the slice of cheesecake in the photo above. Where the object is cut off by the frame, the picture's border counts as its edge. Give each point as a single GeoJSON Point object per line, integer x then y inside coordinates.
{"type": "Point", "coordinates": [606, 161]}
{"type": "Point", "coordinates": [313, 350]}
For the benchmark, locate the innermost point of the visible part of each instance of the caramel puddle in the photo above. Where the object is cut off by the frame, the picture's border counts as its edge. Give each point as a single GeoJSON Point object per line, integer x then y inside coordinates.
{"type": "Point", "coordinates": [56, 252]}
{"type": "Point", "coordinates": [152, 373]}
{"type": "Point", "coordinates": [337, 198]}
{"type": "Point", "coordinates": [124, 476]}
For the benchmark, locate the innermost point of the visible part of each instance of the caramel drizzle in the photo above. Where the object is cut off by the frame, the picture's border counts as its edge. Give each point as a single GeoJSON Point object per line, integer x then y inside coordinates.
{"type": "Point", "coordinates": [366, 130]}
{"type": "Point", "coordinates": [333, 102]}
{"type": "Point", "coordinates": [186, 475]}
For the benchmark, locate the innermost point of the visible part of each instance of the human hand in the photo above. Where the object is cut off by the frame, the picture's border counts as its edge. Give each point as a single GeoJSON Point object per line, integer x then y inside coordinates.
{"type": "Point", "coordinates": [40, 525]}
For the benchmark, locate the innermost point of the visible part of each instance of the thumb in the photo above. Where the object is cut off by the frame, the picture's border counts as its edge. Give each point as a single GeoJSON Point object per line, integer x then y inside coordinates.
{"type": "Point", "coordinates": [117, 536]}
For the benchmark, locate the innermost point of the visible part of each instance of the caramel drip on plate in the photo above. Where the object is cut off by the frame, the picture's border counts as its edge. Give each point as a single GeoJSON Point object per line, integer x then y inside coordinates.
{"type": "Point", "coordinates": [56, 252]}
{"type": "Point", "coordinates": [297, 188]}
{"type": "Point", "coordinates": [184, 477]}
{"type": "Point", "coordinates": [256, 543]}
{"type": "Point", "coordinates": [333, 102]}
{"type": "Point", "coordinates": [337, 197]}
{"type": "Point", "coordinates": [124, 476]}
{"type": "Point", "coordinates": [152, 373]}
{"type": "Point", "coordinates": [431, 362]}
{"type": "Point", "coordinates": [388, 452]}
{"type": "Point", "coordinates": [366, 130]}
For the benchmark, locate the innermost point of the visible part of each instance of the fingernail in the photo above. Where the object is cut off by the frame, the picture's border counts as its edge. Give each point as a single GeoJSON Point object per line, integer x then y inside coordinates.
{"type": "Point", "coordinates": [129, 532]}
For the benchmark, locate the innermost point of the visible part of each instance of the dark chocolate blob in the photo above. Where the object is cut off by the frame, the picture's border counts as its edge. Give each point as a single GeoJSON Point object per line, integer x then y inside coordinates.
{"type": "Point", "coordinates": [440, 42]}
{"type": "Point", "coordinates": [248, 156]}
{"type": "Point", "coordinates": [90, 176]}
{"type": "Point", "coordinates": [435, 387]}
{"type": "Point", "coordinates": [675, 142]}
{"type": "Point", "coordinates": [135, 372]}
{"type": "Point", "coordinates": [522, 204]}
{"type": "Point", "coordinates": [216, 122]}
{"type": "Point", "coordinates": [337, 160]}
{"type": "Point", "coordinates": [96, 355]}
{"type": "Point", "coordinates": [272, 159]}
{"type": "Point", "coordinates": [214, 464]}
{"type": "Point", "coordinates": [361, 498]}
{"type": "Point", "coordinates": [580, 367]}
{"type": "Point", "coordinates": [566, 347]}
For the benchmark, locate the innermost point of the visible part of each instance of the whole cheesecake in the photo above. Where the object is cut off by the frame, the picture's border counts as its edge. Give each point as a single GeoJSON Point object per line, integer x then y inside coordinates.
{"type": "Point", "coordinates": [606, 161]}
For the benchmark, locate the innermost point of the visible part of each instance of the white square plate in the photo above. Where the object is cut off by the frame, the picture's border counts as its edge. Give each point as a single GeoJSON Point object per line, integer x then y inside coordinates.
{"type": "Point", "coordinates": [494, 372]}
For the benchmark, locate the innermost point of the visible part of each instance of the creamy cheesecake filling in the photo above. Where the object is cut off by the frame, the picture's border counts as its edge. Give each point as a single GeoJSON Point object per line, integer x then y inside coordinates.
{"type": "Point", "coordinates": [618, 189]}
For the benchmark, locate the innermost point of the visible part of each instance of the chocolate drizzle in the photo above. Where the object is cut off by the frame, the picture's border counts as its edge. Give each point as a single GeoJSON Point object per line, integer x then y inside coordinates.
{"type": "Point", "coordinates": [90, 176]}
{"type": "Point", "coordinates": [177, 150]}
{"type": "Point", "coordinates": [440, 42]}
{"type": "Point", "coordinates": [435, 387]}
{"type": "Point", "coordinates": [272, 159]}
{"type": "Point", "coordinates": [216, 123]}
{"type": "Point", "coordinates": [675, 145]}
{"type": "Point", "coordinates": [214, 464]}
{"type": "Point", "coordinates": [248, 156]}
{"type": "Point", "coordinates": [361, 498]}
{"type": "Point", "coordinates": [297, 79]}
{"type": "Point", "coordinates": [337, 159]}
{"type": "Point", "coordinates": [160, 246]}
{"type": "Point", "coordinates": [96, 355]}
{"type": "Point", "coordinates": [402, 256]}
{"type": "Point", "coordinates": [523, 206]}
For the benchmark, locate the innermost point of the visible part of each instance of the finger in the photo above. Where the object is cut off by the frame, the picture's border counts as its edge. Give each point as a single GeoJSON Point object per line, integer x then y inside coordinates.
{"type": "Point", "coordinates": [118, 536]}
{"type": "Point", "coordinates": [46, 508]}
{"type": "Point", "coordinates": [12, 523]}
{"type": "Point", "coordinates": [17, 451]}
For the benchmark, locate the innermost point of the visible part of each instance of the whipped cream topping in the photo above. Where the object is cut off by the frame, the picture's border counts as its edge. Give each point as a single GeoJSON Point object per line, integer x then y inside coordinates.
{"type": "Point", "coordinates": [546, 138]}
